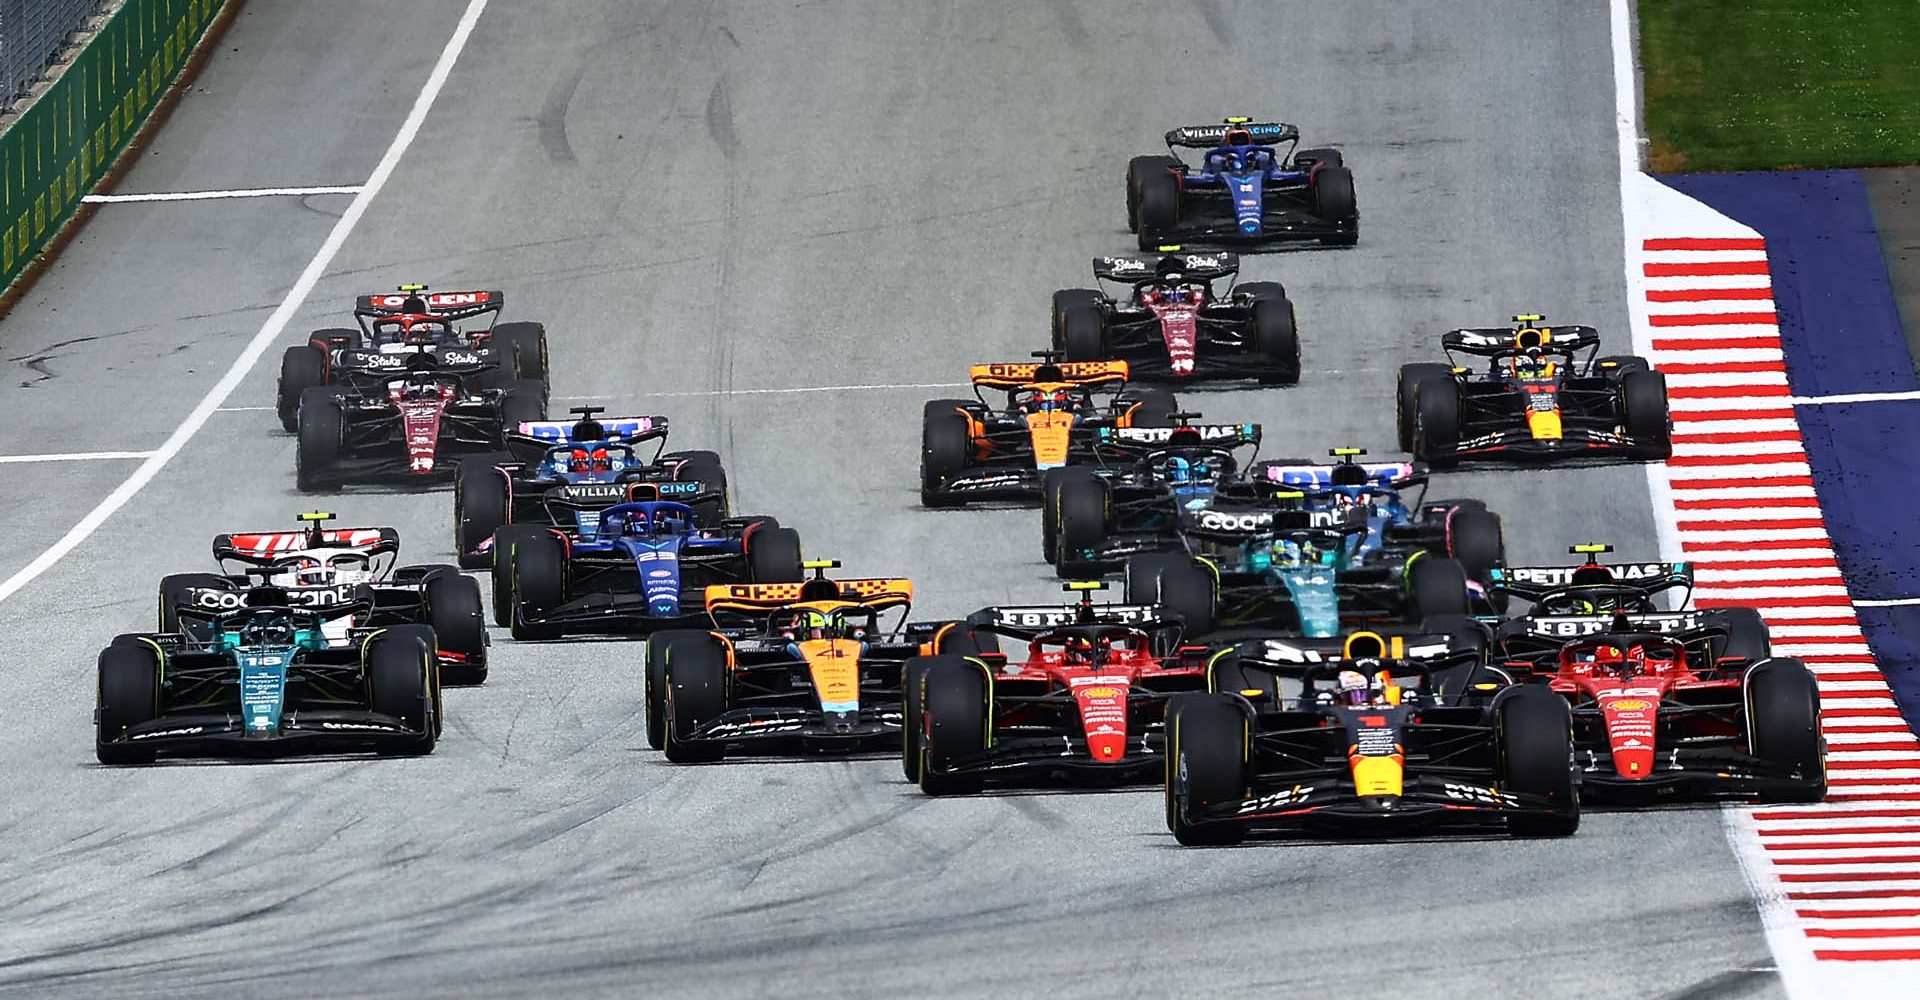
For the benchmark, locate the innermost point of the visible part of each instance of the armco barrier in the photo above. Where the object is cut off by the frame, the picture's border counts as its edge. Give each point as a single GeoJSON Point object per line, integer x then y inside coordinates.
{"type": "Point", "coordinates": [59, 148]}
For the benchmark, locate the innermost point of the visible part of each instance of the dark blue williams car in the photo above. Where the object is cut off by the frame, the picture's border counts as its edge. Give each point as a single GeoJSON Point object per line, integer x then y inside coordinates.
{"type": "Point", "coordinates": [1243, 191]}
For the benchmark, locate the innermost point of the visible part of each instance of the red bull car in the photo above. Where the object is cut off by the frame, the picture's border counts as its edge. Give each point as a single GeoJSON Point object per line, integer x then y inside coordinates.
{"type": "Point", "coordinates": [1080, 700]}
{"type": "Point", "coordinates": [1542, 397]}
{"type": "Point", "coordinates": [972, 450]}
{"type": "Point", "coordinates": [1371, 745]}
{"type": "Point", "coordinates": [1174, 324]}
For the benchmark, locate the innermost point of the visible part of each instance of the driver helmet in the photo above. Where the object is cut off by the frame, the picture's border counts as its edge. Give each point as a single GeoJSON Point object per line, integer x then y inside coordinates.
{"type": "Point", "coordinates": [1651, 656]}
{"type": "Point", "coordinates": [1531, 364]}
{"type": "Point", "coordinates": [1051, 400]}
{"type": "Point", "coordinates": [1351, 687]}
{"type": "Point", "coordinates": [1178, 470]}
{"type": "Point", "coordinates": [1079, 652]}
{"type": "Point", "coordinates": [269, 630]}
{"type": "Point", "coordinates": [1606, 656]}
{"type": "Point", "coordinates": [811, 625]}
{"type": "Point", "coordinates": [593, 459]}
{"type": "Point", "coordinates": [302, 571]}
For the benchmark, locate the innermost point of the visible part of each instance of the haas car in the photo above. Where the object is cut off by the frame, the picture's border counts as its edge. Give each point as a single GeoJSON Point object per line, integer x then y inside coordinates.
{"type": "Point", "coordinates": [566, 473]}
{"type": "Point", "coordinates": [320, 568]}
{"type": "Point", "coordinates": [267, 678]}
{"type": "Point", "coordinates": [1542, 396]}
{"type": "Point", "coordinates": [409, 321]}
{"type": "Point", "coordinates": [1080, 698]}
{"type": "Point", "coordinates": [1370, 744]}
{"type": "Point", "coordinates": [1173, 323]}
{"type": "Point", "coordinates": [972, 450]}
{"type": "Point", "coordinates": [811, 667]}
{"type": "Point", "coordinates": [1243, 191]}
{"type": "Point", "coordinates": [645, 566]}
{"type": "Point", "coordinates": [1667, 704]}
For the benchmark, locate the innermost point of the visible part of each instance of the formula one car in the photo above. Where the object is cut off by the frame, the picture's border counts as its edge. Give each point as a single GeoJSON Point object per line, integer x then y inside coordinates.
{"type": "Point", "coordinates": [265, 679]}
{"type": "Point", "coordinates": [1174, 323]}
{"type": "Point", "coordinates": [1104, 519]}
{"type": "Point", "coordinates": [414, 321]}
{"type": "Point", "coordinates": [971, 450]}
{"type": "Point", "coordinates": [408, 426]}
{"type": "Point", "coordinates": [1083, 702]}
{"type": "Point", "coordinates": [1542, 397]}
{"type": "Point", "coordinates": [564, 474]}
{"type": "Point", "coordinates": [1243, 191]}
{"type": "Point", "coordinates": [1369, 746]}
{"type": "Point", "coordinates": [645, 567]}
{"type": "Point", "coordinates": [792, 667]}
{"type": "Point", "coordinates": [318, 567]}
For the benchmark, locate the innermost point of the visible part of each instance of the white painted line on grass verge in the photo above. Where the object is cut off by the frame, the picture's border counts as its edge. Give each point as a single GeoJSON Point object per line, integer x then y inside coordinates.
{"type": "Point", "coordinates": [73, 456]}
{"type": "Point", "coordinates": [271, 329]}
{"type": "Point", "coordinates": [296, 192]}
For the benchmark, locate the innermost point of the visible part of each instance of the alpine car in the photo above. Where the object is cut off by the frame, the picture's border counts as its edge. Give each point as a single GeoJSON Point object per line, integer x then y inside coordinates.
{"type": "Point", "coordinates": [565, 473]}
{"type": "Point", "coordinates": [1173, 323]}
{"type": "Point", "coordinates": [265, 679]}
{"type": "Point", "coordinates": [410, 425]}
{"type": "Point", "coordinates": [318, 567]}
{"type": "Point", "coordinates": [810, 667]}
{"type": "Point", "coordinates": [1542, 397]}
{"type": "Point", "coordinates": [972, 450]}
{"type": "Point", "coordinates": [1243, 191]}
{"type": "Point", "coordinates": [645, 567]}
{"type": "Point", "coordinates": [410, 321]}
{"type": "Point", "coordinates": [1082, 702]}
{"type": "Point", "coordinates": [1369, 746]}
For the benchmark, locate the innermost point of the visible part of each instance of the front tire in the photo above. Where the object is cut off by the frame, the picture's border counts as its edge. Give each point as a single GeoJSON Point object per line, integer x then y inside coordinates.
{"type": "Point", "coordinates": [1206, 765]}
{"type": "Point", "coordinates": [957, 716]}
{"type": "Point", "coordinates": [1436, 423]}
{"type": "Point", "coordinates": [1783, 725]}
{"type": "Point", "coordinates": [128, 695]}
{"type": "Point", "coordinates": [1158, 213]}
{"type": "Point", "coordinates": [459, 624]}
{"type": "Point", "coordinates": [400, 672]}
{"type": "Point", "coordinates": [1406, 395]}
{"type": "Point", "coordinates": [1534, 730]}
{"type": "Point", "coordinates": [696, 694]}
{"type": "Point", "coordinates": [301, 368]}
{"type": "Point", "coordinates": [322, 432]}
{"type": "Point", "coordinates": [1644, 415]}
{"type": "Point", "coordinates": [946, 443]}
{"type": "Point", "coordinates": [538, 585]}
{"type": "Point", "coordinates": [482, 502]}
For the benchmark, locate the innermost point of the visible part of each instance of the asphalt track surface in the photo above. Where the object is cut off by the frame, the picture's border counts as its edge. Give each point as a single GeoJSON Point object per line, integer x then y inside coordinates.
{"type": "Point", "coordinates": [714, 199]}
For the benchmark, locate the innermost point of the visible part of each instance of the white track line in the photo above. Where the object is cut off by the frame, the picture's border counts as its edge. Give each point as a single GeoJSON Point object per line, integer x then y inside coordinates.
{"type": "Point", "coordinates": [1857, 397]}
{"type": "Point", "coordinates": [120, 199]}
{"type": "Point", "coordinates": [770, 392]}
{"type": "Point", "coordinates": [271, 329]}
{"type": "Point", "coordinates": [1891, 602]}
{"type": "Point", "coordinates": [72, 456]}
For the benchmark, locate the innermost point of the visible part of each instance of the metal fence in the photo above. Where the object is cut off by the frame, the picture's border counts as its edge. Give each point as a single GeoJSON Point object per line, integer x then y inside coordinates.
{"type": "Point", "coordinates": [32, 33]}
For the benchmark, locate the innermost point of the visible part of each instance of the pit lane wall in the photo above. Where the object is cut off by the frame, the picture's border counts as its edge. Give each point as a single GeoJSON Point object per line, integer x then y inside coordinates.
{"type": "Point", "coordinates": [1764, 299]}
{"type": "Point", "coordinates": [62, 146]}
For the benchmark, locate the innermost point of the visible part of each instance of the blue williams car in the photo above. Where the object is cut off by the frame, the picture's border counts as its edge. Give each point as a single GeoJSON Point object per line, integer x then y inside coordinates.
{"type": "Point", "coordinates": [1243, 191]}
{"type": "Point", "coordinates": [644, 566]}
{"type": "Point", "coordinates": [563, 473]}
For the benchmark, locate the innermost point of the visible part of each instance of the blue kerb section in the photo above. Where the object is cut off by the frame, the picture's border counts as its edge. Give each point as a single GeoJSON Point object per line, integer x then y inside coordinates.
{"type": "Point", "coordinates": [1841, 333]}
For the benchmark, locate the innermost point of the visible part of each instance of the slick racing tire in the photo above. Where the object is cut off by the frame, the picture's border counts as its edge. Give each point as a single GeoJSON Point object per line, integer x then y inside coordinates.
{"type": "Point", "coordinates": [1276, 341]}
{"type": "Point", "coordinates": [525, 400]}
{"type": "Point", "coordinates": [322, 432]}
{"type": "Point", "coordinates": [173, 595]}
{"type": "Point", "coordinates": [705, 468]}
{"type": "Point", "coordinates": [1617, 365]}
{"type": "Point", "coordinates": [1226, 674]}
{"type": "Point", "coordinates": [959, 714]}
{"type": "Point", "coordinates": [1463, 632]}
{"type": "Point", "coordinates": [1436, 586]}
{"type": "Point", "coordinates": [1178, 582]}
{"type": "Point", "coordinates": [695, 694]}
{"type": "Point", "coordinates": [399, 668]}
{"type": "Point", "coordinates": [538, 584]}
{"type": "Point", "coordinates": [1747, 635]}
{"type": "Point", "coordinates": [1306, 158]}
{"type": "Point", "coordinates": [1158, 211]}
{"type": "Point", "coordinates": [1138, 168]}
{"type": "Point", "coordinates": [1079, 324]}
{"type": "Point", "coordinates": [1082, 514]}
{"type": "Point", "coordinates": [654, 691]}
{"type": "Point", "coordinates": [1333, 201]}
{"type": "Point", "coordinates": [1533, 732]}
{"type": "Point", "coordinates": [1644, 417]}
{"type": "Point", "coordinates": [773, 555]}
{"type": "Point", "coordinates": [1049, 514]}
{"type": "Point", "coordinates": [505, 538]}
{"type": "Point", "coordinates": [522, 350]}
{"type": "Point", "coordinates": [1475, 537]}
{"type": "Point", "coordinates": [1147, 407]}
{"type": "Point", "coordinates": [946, 444]}
{"type": "Point", "coordinates": [1406, 395]}
{"type": "Point", "coordinates": [1783, 726]}
{"type": "Point", "coordinates": [301, 368]}
{"type": "Point", "coordinates": [424, 634]}
{"type": "Point", "coordinates": [913, 680]}
{"type": "Point", "coordinates": [482, 502]}
{"type": "Point", "coordinates": [1436, 423]}
{"type": "Point", "coordinates": [129, 694]}
{"type": "Point", "coordinates": [1206, 765]}
{"type": "Point", "coordinates": [459, 624]}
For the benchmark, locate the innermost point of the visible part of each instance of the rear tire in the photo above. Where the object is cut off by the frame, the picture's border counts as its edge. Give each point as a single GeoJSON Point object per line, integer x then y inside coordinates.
{"type": "Point", "coordinates": [301, 368]}
{"type": "Point", "coordinates": [1079, 324]}
{"type": "Point", "coordinates": [1435, 587]}
{"type": "Point", "coordinates": [1227, 675]}
{"type": "Point", "coordinates": [525, 401]}
{"type": "Point", "coordinates": [1406, 395]}
{"type": "Point", "coordinates": [539, 584]}
{"type": "Point", "coordinates": [1082, 514]}
{"type": "Point", "coordinates": [522, 350]}
{"type": "Point", "coordinates": [1783, 725]}
{"type": "Point", "coordinates": [1333, 201]}
{"type": "Point", "coordinates": [1306, 158]}
{"type": "Point", "coordinates": [1141, 167]}
{"type": "Point", "coordinates": [1747, 635]}
{"type": "Point", "coordinates": [1476, 538]}
{"type": "Point", "coordinates": [322, 430]}
{"type": "Point", "coordinates": [773, 556]}
{"type": "Point", "coordinates": [957, 716]}
{"type": "Point", "coordinates": [1617, 365]}
{"type": "Point", "coordinates": [696, 693]}
{"type": "Point", "coordinates": [400, 672]}
{"type": "Point", "coordinates": [1175, 581]}
{"type": "Point", "coordinates": [1150, 407]}
{"type": "Point", "coordinates": [1206, 765]}
{"type": "Point", "coordinates": [1644, 416]}
{"type": "Point", "coordinates": [173, 592]}
{"type": "Point", "coordinates": [459, 625]}
{"type": "Point", "coordinates": [1436, 423]}
{"type": "Point", "coordinates": [705, 468]}
{"type": "Point", "coordinates": [1276, 340]}
{"type": "Point", "coordinates": [946, 444]}
{"type": "Point", "coordinates": [129, 694]}
{"type": "Point", "coordinates": [1534, 730]}
{"type": "Point", "coordinates": [482, 502]}
{"type": "Point", "coordinates": [1158, 213]}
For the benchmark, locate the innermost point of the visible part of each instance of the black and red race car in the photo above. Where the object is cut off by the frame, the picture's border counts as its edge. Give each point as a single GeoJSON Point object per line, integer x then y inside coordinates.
{"type": "Point", "coordinates": [410, 321]}
{"type": "Point", "coordinates": [1173, 323]}
{"type": "Point", "coordinates": [1081, 700]}
{"type": "Point", "coordinates": [1543, 396]}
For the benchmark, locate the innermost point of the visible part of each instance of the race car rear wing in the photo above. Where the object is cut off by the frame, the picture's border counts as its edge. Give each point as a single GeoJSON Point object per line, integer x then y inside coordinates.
{"type": "Point", "coordinates": [1250, 525]}
{"type": "Point", "coordinates": [1489, 341]}
{"type": "Point", "coordinates": [263, 547]}
{"type": "Point", "coordinates": [451, 305]}
{"type": "Point", "coordinates": [1308, 476]}
{"type": "Point", "coordinates": [1210, 136]}
{"type": "Point", "coordinates": [1431, 647]}
{"type": "Point", "coordinates": [1532, 582]}
{"type": "Point", "coordinates": [1015, 374]}
{"type": "Point", "coordinates": [1578, 626]}
{"type": "Point", "coordinates": [1030, 621]}
{"type": "Point", "coordinates": [1151, 438]}
{"type": "Point", "coordinates": [1193, 266]}
{"type": "Point", "coordinates": [877, 592]}
{"type": "Point", "coordinates": [628, 430]}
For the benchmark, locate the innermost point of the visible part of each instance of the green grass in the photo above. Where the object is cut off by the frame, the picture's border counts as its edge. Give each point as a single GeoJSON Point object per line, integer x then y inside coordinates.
{"type": "Point", "coordinates": [1780, 84]}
